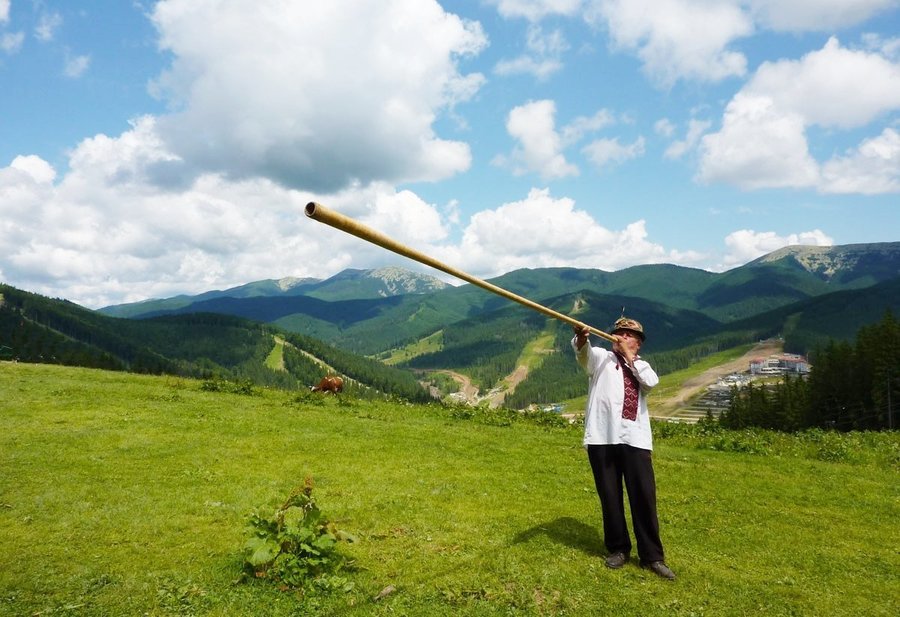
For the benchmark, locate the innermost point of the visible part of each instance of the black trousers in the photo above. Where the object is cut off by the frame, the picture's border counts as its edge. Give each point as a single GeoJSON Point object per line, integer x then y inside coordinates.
{"type": "Point", "coordinates": [611, 465]}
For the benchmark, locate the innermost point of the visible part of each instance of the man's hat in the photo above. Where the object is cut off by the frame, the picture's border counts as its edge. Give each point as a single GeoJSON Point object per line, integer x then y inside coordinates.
{"type": "Point", "coordinates": [626, 323]}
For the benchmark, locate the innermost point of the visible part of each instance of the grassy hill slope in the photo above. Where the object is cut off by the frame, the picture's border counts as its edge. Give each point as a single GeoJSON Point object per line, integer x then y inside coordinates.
{"type": "Point", "coordinates": [129, 495]}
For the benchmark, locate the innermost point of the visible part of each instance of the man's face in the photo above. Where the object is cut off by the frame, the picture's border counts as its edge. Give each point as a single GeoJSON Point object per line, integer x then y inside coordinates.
{"type": "Point", "coordinates": [629, 340]}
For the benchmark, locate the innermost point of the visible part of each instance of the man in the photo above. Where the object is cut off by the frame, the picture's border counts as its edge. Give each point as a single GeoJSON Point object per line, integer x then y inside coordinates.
{"type": "Point", "coordinates": [619, 444]}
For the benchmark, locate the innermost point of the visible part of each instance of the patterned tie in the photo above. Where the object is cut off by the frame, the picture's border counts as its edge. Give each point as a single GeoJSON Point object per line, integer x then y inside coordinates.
{"type": "Point", "coordinates": [632, 389]}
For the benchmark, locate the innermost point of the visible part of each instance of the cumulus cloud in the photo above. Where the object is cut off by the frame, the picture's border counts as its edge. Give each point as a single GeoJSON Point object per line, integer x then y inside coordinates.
{"type": "Point", "coordinates": [831, 87]}
{"type": "Point", "coordinates": [352, 97]}
{"type": "Point", "coordinates": [758, 146]}
{"type": "Point", "coordinates": [871, 169]}
{"type": "Point", "coordinates": [37, 168]}
{"type": "Point", "coordinates": [545, 231]}
{"type": "Point", "coordinates": [539, 147]}
{"type": "Point", "coordinates": [763, 141]}
{"type": "Point", "coordinates": [677, 39]}
{"type": "Point", "coordinates": [105, 232]}
{"type": "Point", "coordinates": [746, 244]}
{"type": "Point", "coordinates": [4, 11]}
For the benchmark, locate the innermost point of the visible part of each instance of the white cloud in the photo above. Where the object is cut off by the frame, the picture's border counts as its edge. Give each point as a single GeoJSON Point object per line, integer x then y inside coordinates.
{"type": "Point", "coordinates": [603, 152]}
{"type": "Point", "coordinates": [823, 15]}
{"type": "Point", "coordinates": [677, 39]}
{"type": "Point", "coordinates": [75, 66]}
{"type": "Point", "coordinates": [11, 42]}
{"type": "Point", "coordinates": [746, 245]}
{"type": "Point", "coordinates": [871, 169]}
{"type": "Point", "coordinates": [543, 231]}
{"type": "Point", "coordinates": [539, 146]}
{"type": "Point", "coordinates": [352, 96]}
{"type": "Point", "coordinates": [831, 87]}
{"type": "Point", "coordinates": [535, 10]}
{"type": "Point", "coordinates": [539, 68]}
{"type": "Point", "coordinates": [696, 129]}
{"type": "Point", "coordinates": [759, 146]}
{"type": "Point", "coordinates": [106, 234]}
{"type": "Point", "coordinates": [887, 47]}
{"type": "Point", "coordinates": [405, 217]}
{"type": "Point", "coordinates": [40, 170]}
{"type": "Point", "coordinates": [4, 11]}
{"type": "Point", "coordinates": [582, 125]}
{"type": "Point", "coordinates": [763, 139]}
{"type": "Point", "coordinates": [24, 186]}
{"type": "Point", "coordinates": [691, 39]}
{"type": "Point", "coordinates": [664, 127]}
{"type": "Point", "coordinates": [542, 58]}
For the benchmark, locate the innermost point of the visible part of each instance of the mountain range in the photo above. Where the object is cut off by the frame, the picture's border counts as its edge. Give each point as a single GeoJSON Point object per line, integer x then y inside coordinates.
{"type": "Point", "coordinates": [376, 326]}
{"type": "Point", "coordinates": [361, 311]}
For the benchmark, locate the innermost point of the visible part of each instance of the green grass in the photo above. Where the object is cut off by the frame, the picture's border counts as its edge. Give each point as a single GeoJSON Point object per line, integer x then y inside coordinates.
{"type": "Point", "coordinates": [535, 351]}
{"type": "Point", "coordinates": [429, 344]}
{"type": "Point", "coordinates": [275, 359]}
{"type": "Point", "coordinates": [128, 495]}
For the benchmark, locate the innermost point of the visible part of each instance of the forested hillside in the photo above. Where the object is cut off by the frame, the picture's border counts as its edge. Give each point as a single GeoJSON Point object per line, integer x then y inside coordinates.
{"type": "Point", "coordinates": [207, 345]}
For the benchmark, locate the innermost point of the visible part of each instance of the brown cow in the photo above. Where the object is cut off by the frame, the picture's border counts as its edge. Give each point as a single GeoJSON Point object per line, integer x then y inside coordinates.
{"type": "Point", "coordinates": [329, 383]}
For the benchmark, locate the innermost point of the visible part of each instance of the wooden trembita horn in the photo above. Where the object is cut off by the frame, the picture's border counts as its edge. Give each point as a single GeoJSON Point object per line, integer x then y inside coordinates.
{"type": "Point", "coordinates": [325, 215]}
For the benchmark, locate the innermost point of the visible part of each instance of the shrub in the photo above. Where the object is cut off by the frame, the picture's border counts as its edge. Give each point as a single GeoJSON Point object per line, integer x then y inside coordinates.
{"type": "Point", "coordinates": [297, 547]}
{"type": "Point", "coordinates": [244, 386]}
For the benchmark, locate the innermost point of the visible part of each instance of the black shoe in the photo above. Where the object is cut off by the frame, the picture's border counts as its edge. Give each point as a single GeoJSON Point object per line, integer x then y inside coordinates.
{"type": "Point", "coordinates": [660, 569]}
{"type": "Point", "coordinates": [616, 560]}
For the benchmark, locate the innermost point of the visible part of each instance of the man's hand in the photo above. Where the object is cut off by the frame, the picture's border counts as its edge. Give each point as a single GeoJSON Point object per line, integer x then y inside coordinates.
{"type": "Point", "coordinates": [581, 336]}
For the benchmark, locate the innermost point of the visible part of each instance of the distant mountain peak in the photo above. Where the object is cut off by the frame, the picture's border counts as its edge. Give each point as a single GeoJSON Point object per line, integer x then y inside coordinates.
{"type": "Point", "coordinates": [289, 282]}
{"type": "Point", "coordinates": [830, 261]}
{"type": "Point", "coordinates": [399, 281]}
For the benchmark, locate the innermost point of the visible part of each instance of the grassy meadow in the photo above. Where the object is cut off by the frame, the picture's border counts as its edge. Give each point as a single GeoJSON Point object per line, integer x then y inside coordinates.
{"type": "Point", "coordinates": [129, 495]}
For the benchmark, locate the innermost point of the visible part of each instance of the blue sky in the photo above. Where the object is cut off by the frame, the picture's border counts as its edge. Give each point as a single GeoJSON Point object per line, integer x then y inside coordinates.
{"type": "Point", "coordinates": [149, 148]}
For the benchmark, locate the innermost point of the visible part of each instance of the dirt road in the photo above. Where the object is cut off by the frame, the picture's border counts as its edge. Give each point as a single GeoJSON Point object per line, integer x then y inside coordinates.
{"type": "Point", "coordinates": [468, 392]}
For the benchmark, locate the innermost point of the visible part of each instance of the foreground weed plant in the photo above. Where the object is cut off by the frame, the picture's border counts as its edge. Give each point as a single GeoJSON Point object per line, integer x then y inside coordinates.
{"type": "Point", "coordinates": [297, 547]}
